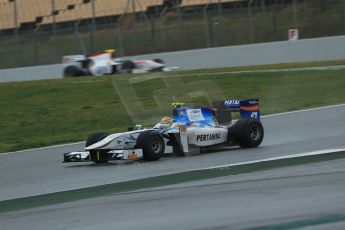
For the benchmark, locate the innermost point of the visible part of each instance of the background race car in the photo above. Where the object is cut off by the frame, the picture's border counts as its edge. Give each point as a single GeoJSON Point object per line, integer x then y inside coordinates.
{"type": "Point", "coordinates": [105, 63]}
{"type": "Point", "coordinates": [187, 131]}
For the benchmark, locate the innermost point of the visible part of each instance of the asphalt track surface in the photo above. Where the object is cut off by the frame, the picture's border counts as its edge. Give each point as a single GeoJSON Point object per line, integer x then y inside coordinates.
{"type": "Point", "coordinates": [40, 171]}
{"type": "Point", "coordinates": [299, 197]}
{"type": "Point", "coordinates": [34, 74]}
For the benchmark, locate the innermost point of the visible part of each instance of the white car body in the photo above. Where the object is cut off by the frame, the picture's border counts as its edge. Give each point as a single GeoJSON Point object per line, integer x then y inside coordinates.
{"type": "Point", "coordinates": [104, 63]}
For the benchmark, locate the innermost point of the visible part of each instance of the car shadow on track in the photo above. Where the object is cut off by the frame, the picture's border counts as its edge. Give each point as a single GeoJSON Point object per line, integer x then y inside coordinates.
{"type": "Point", "coordinates": [167, 158]}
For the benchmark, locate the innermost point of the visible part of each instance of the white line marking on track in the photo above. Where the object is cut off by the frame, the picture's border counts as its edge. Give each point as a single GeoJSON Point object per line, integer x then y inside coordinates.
{"type": "Point", "coordinates": [305, 110]}
{"type": "Point", "coordinates": [313, 153]}
{"type": "Point", "coordinates": [297, 69]}
{"type": "Point", "coordinates": [81, 82]}
{"type": "Point", "coordinates": [318, 68]}
{"type": "Point", "coordinates": [270, 115]}
{"type": "Point", "coordinates": [42, 148]}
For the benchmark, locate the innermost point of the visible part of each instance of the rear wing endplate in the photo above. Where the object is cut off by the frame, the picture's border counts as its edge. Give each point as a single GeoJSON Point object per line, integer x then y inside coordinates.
{"type": "Point", "coordinates": [248, 108]}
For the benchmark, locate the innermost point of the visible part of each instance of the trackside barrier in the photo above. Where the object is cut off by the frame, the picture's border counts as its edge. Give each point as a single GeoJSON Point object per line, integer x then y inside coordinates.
{"type": "Point", "coordinates": [305, 50]}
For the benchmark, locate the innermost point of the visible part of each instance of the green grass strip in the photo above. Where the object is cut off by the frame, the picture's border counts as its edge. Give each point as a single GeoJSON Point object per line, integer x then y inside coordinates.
{"type": "Point", "coordinates": [176, 178]}
{"type": "Point", "coordinates": [303, 223]}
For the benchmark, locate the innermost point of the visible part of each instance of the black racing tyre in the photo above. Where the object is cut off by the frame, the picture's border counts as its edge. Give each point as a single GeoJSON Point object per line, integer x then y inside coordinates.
{"type": "Point", "coordinates": [128, 66]}
{"type": "Point", "coordinates": [66, 158]}
{"type": "Point", "coordinates": [248, 133]}
{"type": "Point", "coordinates": [73, 71]}
{"type": "Point", "coordinates": [152, 144]}
{"type": "Point", "coordinates": [158, 60]}
{"type": "Point", "coordinates": [97, 156]}
{"type": "Point", "coordinates": [177, 150]}
{"type": "Point", "coordinates": [114, 69]}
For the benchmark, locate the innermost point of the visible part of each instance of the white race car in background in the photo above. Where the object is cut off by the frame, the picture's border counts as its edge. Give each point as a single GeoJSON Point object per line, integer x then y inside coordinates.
{"type": "Point", "coordinates": [187, 131]}
{"type": "Point", "coordinates": [103, 64]}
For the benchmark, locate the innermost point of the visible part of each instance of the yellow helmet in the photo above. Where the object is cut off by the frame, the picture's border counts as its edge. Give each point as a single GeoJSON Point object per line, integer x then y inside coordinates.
{"type": "Point", "coordinates": [166, 120]}
{"type": "Point", "coordinates": [110, 51]}
{"type": "Point", "coordinates": [177, 104]}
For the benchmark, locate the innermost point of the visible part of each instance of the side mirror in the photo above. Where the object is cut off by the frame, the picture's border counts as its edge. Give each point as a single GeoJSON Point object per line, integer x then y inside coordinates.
{"type": "Point", "coordinates": [138, 127]}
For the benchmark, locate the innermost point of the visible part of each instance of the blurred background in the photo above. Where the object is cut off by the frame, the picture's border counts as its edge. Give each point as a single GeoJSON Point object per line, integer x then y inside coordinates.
{"type": "Point", "coordinates": [37, 32]}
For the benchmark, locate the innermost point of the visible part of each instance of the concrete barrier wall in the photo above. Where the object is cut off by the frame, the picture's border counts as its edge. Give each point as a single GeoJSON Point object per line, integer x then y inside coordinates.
{"type": "Point", "coordinates": [318, 49]}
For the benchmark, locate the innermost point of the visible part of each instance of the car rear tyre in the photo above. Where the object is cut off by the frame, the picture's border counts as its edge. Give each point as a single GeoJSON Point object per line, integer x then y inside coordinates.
{"type": "Point", "coordinates": [249, 133]}
{"type": "Point", "coordinates": [158, 60]}
{"type": "Point", "coordinates": [128, 66]}
{"type": "Point", "coordinates": [97, 155]}
{"type": "Point", "coordinates": [152, 144]}
{"type": "Point", "coordinates": [177, 151]}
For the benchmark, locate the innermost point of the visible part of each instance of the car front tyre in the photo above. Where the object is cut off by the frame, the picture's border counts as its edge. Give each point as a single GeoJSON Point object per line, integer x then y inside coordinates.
{"type": "Point", "coordinates": [72, 71]}
{"type": "Point", "coordinates": [97, 155]}
{"type": "Point", "coordinates": [152, 144]}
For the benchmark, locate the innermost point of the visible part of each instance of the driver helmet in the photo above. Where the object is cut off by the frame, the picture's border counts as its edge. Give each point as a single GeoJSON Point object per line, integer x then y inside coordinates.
{"type": "Point", "coordinates": [111, 52]}
{"type": "Point", "coordinates": [166, 122]}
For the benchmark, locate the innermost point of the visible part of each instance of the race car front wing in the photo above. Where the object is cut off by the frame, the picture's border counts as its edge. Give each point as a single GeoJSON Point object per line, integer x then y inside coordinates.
{"type": "Point", "coordinates": [84, 156]}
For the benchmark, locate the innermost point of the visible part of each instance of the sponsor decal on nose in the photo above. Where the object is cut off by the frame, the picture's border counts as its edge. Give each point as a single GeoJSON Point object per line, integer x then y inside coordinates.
{"type": "Point", "coordinates": [207, 137]}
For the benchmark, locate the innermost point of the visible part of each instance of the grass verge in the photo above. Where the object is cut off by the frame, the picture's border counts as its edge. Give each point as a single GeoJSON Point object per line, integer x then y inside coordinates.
{"type": "Point", "coordinates": [268, 67]}
{"type": "Point", "coordinates": [42, 113]}
{"type": "Point", "coordinates": [329, 219]}
{"type": "Point", "coordinates": [176, 178]}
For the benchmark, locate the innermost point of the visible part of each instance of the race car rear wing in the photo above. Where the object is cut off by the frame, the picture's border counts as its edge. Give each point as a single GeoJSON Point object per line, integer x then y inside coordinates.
{"type": "Point", "coordinates": [73, 58]}
{"type": "Point", "coordinates": [248, 108]}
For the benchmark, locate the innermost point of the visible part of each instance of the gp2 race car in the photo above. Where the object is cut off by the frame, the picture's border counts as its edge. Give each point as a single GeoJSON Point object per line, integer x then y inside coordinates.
{"type": "Point", "coordinates": [102, 64]}
{"type": "Point", "coordinates": [187, 131]}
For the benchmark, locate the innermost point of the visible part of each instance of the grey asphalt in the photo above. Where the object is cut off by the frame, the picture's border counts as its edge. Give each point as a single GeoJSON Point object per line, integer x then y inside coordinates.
{"type": "Point", "coordinates": [279, 198]}
{"type": "Point", "coordinates": [41, 171]}
{"type": "Point", "coordinates": [50, 72]}
{"type": "Point", "coordinates": [32, 73]}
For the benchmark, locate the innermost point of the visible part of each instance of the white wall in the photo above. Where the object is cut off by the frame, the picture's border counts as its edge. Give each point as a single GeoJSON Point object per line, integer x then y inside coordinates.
{"type": "Point", "coordinates": [319, 49]}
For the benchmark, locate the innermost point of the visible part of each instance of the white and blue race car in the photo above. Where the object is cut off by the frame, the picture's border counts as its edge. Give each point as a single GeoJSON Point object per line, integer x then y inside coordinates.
{"type": "Point", "coordinates": [188, 130]}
